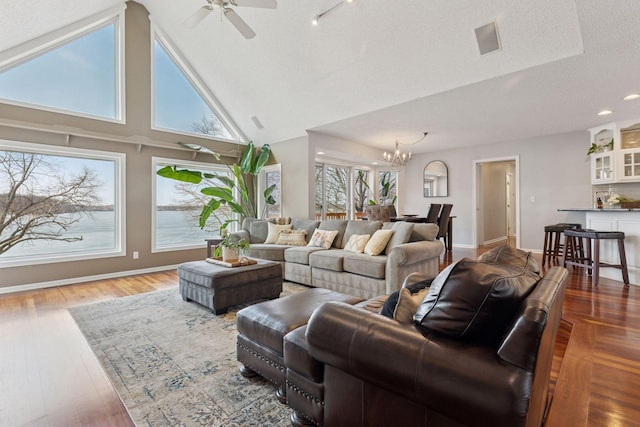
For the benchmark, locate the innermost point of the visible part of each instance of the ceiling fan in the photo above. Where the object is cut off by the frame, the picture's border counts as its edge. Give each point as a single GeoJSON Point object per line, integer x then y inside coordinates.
{"type": "Point", "coordinates": [229, 13]}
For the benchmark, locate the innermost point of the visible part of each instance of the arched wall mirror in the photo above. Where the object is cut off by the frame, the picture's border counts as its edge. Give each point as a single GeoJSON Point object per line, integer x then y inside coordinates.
{"type": "Point", "coordinates": [436, 181]}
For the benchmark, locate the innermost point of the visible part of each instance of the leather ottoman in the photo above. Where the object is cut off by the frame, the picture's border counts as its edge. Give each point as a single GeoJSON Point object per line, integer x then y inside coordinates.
{"type": "Point", "coordinates": [218, 287]}
{"type": "Point", "coordinates": [262, 327]}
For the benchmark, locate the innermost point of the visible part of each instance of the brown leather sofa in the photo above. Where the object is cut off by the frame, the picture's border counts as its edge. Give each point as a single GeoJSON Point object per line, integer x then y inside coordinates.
{"type": "Point", "coordinates": [364, 369]}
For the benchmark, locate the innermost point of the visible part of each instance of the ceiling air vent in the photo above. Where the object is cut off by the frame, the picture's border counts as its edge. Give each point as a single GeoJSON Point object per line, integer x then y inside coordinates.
{"type": "Point", "coordinates": [487, 37]}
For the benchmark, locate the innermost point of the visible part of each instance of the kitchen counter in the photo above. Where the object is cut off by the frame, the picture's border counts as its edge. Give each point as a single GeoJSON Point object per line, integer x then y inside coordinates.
{"type": "Point", "coordinates": [612, 219]}
{"type": "Point", "coordinates": [614, 210]}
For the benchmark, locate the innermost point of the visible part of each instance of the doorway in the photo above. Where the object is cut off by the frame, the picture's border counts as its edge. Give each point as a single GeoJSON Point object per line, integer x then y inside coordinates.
{"type": "Point", "coordinates": [496, 201]}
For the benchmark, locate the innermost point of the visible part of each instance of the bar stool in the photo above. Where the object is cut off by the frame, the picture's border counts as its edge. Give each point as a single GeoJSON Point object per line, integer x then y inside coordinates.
{"type": "Point", "coordinates": [593, 264]}
{"type": "Point", "coordinates": [553, 247]}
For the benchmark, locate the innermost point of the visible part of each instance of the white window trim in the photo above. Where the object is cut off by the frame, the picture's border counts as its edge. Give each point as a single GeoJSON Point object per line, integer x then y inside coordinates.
{"type": "Point", "coordinates": [24, 52]}
{"type": "Point", "coordinates": [163, 161]}
{"type": "Point", "coordinates": [203, 90]}
{"type": "Point", "coordinates": [119, 160]}
{"type": "Point", "coordinates": [262, 185]}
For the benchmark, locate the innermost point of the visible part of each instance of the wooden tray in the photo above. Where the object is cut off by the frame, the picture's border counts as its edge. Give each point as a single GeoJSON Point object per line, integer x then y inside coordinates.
{"type": "Point", "coordinates": [239, 263]}
{"type": "Point", "coordinates": [629, 205]}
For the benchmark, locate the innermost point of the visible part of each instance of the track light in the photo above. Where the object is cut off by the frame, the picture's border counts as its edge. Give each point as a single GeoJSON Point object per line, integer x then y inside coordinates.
{"type": "Point", "coordinates": [316, 18]}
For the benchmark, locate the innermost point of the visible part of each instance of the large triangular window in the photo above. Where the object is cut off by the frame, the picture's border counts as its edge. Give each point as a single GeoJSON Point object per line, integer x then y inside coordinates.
{"type": "Point", "coordinates": [181, 102]}
{"type": "Point", "coordinates": [77, 72]}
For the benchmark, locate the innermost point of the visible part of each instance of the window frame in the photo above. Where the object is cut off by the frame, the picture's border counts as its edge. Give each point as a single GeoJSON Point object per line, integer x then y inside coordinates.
{"type": "Point", "coordinates": [164, 161]}
{"type": "Point", "coordinates": [262, 186]}
{"type": "Point", "coordinates": [119, 207]}
{"type": "Point", "coordinates": [48, 42]}
{"type": "Point", "coordinates": [205, 93]}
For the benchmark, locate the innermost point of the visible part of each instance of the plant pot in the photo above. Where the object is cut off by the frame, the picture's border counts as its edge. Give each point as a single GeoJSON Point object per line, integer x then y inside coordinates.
{"type": "Point", "coordinates": [230, 254]}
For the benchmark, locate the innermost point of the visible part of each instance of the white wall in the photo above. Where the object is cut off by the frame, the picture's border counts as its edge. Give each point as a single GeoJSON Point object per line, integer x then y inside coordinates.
{"type": "Point", "coordinates": [297, 176]}
{"type": "Point", "coordinates": [554, 169]}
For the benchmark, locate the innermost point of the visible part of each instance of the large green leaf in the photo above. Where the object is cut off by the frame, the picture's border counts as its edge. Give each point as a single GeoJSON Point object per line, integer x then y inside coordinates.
{"type": "Point", "coordinates": [261, 160]}
{"type": "Point", "coordinates": [207, 210]}
{"type": "Point", "coordinates": [236, 208]}
{"type": "Point", "coordinates": [219, 192]}
{"type": "Point", "coordinates": [226, 181]}
{"type": "Point", "coordinates": [183, 175]}
{"type": "Point", "coordinates": [247, 158]}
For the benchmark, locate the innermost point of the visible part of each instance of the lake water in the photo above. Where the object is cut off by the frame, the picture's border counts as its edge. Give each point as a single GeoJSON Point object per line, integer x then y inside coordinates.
{"type": "Point", "coordinates": [174, 228]}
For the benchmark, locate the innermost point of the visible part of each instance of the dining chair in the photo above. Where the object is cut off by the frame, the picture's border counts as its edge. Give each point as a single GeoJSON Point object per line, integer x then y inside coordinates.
{"type": "Point", "coordinates": [443, 223]}
{"type": "Point", "coordinates": [434, 210]}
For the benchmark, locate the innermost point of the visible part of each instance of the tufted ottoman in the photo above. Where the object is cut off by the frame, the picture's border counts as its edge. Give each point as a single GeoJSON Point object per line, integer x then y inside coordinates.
{"type": "Point", "coordinates": [219, 287]}
{"type": "Point", "coordinates": [262, 327]}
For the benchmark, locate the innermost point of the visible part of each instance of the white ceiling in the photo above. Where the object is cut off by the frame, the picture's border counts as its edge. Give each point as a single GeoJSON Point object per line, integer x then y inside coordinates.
{"type": "Point", "coordinates": [374, 71]}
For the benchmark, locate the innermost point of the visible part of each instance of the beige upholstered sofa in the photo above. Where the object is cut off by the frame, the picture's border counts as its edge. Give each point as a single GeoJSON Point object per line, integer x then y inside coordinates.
{"type": "Point", "coordinates": [412, 248]}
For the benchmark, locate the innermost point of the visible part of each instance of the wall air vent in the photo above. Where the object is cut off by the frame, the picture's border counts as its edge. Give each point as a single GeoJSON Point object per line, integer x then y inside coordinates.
{"type": "Point", "coordinates": [256, 122]}
{"type": "Point", "coordinates": [487, 37]}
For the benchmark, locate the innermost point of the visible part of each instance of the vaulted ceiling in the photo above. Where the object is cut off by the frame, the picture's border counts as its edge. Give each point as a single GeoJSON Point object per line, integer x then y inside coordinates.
{"type": "Point", "coordinates": [374, 71]}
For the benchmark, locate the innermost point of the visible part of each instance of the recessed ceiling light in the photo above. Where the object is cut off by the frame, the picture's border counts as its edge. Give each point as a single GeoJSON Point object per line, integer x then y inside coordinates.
{"type": "Point", "coordinates": [605, 112]}
{"type": "Point", "coordinates": [631, 96]}
{"type": "Point", "coordinates": [320, 153]}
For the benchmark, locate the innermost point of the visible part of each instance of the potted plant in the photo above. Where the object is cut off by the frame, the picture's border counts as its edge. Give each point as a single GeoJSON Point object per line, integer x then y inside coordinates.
{"type": "Point", "coordinates": [599, 148]}
{"type": "Point", "coordinates": [236, 193]}
{"type": "Point", "coordinates": [229, 248]}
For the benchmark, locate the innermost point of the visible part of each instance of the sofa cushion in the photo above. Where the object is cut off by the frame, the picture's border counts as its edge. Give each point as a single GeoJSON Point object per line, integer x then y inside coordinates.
{"type": "Point", "coordinates": [401, 234]}
{"type": "Point", "coordinates": [378, 242]}
{"type": "Point", "coordinates": [257, 229]}
{"type": "Point", "coordinates": [475, 301]}
{"type": "Point", "coordinates": [339, 225]}
{"type": "Point", "coordinates": [323, 238]}
{"type": "Point", "coordinates": [328, 260]}
{"type": "Point", "coordinates": [273, 230]}
{"type": "Point", "coordinates": [292, 237]}
{"type": "Point", "coordinates": [408, 304]}
{"type": "Point", "coordinates": [307, 225]}
{"type": "Point", "coordinates": [506, 255]}
{"type": "Point", "coordinates": [365, 265]}
{"type": "Point", "coordinates": [360, 228]}
{"type": "Point", "coordinates": [357, 242]}
{"type": "Point", "coordinates": [300, 254]}
{"type": "Point", "coordinates": [424, 232]}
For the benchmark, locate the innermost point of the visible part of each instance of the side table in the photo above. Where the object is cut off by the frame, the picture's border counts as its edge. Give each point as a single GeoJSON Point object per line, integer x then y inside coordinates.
{"type": "Point", "coordinates": [211, 242]}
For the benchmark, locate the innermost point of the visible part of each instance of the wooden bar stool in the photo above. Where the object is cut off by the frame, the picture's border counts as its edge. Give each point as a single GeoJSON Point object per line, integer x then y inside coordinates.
{"type": "Point", "coordinates": [592, 261]}
{"type": "Point", "coordinates": [553, 246]}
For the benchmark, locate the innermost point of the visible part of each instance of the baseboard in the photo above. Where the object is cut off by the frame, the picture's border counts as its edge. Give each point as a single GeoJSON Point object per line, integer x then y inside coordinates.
{"type": "Point", "coordinates": [63, 282]}
{"type": "Point", "coordinates": [496, 240]}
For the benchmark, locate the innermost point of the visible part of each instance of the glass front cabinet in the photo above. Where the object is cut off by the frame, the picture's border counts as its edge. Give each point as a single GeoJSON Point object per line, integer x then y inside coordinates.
{"type": "Point", "coordinates": [629, 153]}
{"type": "Point", "coordinates": [603, 164]}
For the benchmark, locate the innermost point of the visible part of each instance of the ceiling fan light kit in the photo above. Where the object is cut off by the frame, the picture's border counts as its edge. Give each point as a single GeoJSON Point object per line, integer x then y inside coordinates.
{"type": "Point", "coordinates": [227, 9]}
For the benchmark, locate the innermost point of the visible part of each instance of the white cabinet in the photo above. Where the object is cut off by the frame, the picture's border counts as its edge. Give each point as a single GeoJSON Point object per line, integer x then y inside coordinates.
{"type": "Point", "coordinates": [603, 164]}
{"type": "Point", "coordinates": [628, 163]}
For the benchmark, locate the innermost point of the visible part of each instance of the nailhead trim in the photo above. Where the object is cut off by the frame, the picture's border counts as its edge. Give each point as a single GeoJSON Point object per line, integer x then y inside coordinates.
{"type": "Point", "coordinates": [306, 394]}
{"type": "Point", "coordinates": [264, 359]}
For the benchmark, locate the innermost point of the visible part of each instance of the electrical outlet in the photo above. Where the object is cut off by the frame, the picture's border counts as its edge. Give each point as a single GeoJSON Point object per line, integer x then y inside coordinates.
{"type": "Point", "coordinates": [136, 255]}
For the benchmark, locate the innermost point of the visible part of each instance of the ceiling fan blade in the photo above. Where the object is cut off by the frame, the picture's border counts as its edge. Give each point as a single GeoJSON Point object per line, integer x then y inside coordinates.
{"type": "Point", "coordinates": [239, 23]}
{"type": "Point", "coordinates": [197, 17]}
{"type": "Point", "coordinates": [265, 4]}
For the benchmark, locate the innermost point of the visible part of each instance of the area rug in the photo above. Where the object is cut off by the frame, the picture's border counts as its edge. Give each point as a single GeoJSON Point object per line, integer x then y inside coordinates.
{"type": "Point", "coordinates": [173, 363]}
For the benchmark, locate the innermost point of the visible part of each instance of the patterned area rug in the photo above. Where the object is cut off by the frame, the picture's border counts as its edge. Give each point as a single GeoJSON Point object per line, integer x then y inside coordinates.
{"type": "Point", "coordinates": [173, 363]}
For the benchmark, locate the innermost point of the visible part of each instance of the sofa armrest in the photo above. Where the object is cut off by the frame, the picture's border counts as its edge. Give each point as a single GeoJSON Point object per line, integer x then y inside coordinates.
{"type": "Point", "coordinates": [242, 234]}
{"type": "Point", "coordinates": [440, 373]}
{"type": "Point", "coordinates": [421, 257]}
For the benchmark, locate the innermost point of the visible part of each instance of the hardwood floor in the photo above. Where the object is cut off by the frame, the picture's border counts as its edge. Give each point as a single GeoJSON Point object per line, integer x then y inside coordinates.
{"type": "Point", "coordinates": [50, 377]}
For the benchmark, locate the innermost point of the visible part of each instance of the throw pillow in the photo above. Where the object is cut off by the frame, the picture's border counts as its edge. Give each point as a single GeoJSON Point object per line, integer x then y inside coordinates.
{"type": "Point", "coordinates": [323, 238]}
{"type": "Point", "coordinates": [408, 304]}
{"type": "Point", "coordinates": [401, 234]}
{"type": "Point", "coordinates": [475, 301]}
{"type": "Point", "coordinates": [274, 231]}
{"type": "Point", "coordinates": [390, 304]}
{"type": "Point", "coordinates": [357, 242]}
{"type": "Point", "coordinates": [378, 242]}
{"type": "Point", "coordinates": [292, 238]}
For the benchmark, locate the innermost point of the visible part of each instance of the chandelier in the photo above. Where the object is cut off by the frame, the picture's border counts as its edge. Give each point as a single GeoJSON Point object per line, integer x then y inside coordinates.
{"type": "Point", "coordinates": [398, 159]}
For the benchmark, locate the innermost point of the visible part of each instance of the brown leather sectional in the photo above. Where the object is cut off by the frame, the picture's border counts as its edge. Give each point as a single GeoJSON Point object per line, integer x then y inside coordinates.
{"type": "Point", "coordinates": [350, 366]}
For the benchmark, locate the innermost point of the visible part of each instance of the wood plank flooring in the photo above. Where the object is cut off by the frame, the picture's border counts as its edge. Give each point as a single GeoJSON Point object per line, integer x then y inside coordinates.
{"type": "Point", "coordinates": [50, 377]}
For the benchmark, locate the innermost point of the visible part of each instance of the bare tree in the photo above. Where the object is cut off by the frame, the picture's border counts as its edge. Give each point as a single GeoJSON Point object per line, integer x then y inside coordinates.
{"type": "Point", "coordinates": [360, 190]}
{"type": "Point", "coordinates": [210, 126]}
{"type": "Point", "coordinates": [41, 202]}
